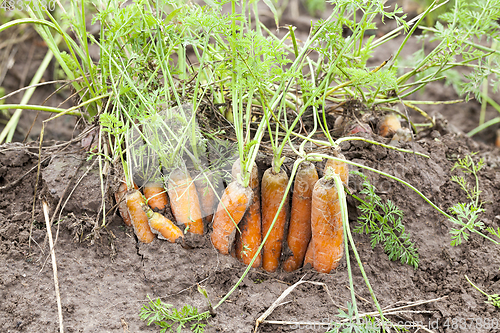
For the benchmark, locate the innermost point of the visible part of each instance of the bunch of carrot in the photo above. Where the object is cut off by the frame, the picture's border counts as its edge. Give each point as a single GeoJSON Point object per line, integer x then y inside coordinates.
{"type": "Point", "coordinates": [309, 232]}
{"type": "Point", "coordinates": [143, 211]}
{"type": "Point", "coordinates": [315, 219]}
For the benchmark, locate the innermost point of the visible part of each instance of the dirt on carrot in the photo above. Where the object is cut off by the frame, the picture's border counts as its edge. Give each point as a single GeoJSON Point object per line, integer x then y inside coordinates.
{"type": "Point", "coordinates": [326, 226]}
{"type": "Point", "coordinates": [184, 201]}
{"type": "Point", "coordinates": [299, 231]}
{"type": "Point", "coordinates": [233, 205]}
{"type": "Point", "coordinates": [249, 236]}
{"type": "Point", "coordinates": [273, 187]}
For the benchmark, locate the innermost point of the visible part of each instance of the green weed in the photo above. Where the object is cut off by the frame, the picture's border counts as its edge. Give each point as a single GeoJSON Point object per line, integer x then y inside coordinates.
{"type": "Point", "coordinates": [492, 299]}
{"type": "Point", "coordinates": [383, 221]}
{"type": "Point", "coordinates": [466, 215]}
{"type": "Point", "coordinates": [167, 317]}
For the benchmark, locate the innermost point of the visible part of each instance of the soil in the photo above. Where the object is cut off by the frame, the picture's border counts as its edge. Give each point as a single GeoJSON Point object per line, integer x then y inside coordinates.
{"type": "Point", "coordinates": [105, 275]}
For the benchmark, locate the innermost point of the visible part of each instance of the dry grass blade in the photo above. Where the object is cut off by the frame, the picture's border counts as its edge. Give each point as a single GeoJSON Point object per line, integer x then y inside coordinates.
{"type": "Point", "coordinates": [54, 265]}
{"type": "Point", "coordinates": [391, 311]}
{"type": "Point", "coordinates": [279, 300]}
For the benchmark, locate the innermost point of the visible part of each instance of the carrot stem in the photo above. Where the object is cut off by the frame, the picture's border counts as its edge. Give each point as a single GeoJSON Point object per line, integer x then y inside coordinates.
{"type": "Point", "coordinates": [345, 219]}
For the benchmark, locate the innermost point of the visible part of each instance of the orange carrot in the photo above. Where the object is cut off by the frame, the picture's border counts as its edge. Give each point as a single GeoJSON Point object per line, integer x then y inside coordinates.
{"type": "Point", "coordinates": [161, 226]}
{"type": "Point", "coordinates": [326, 225]}
{"type": "Point", "coordinates": [184, 201]}
{"type": "Point", "coordinates": [309, 257]}
{"type": "Point", "coordinates": [341, 168]}
{"type": "Point", "coordinates": [233, 205]}
{"type": "Point", "coordinates": [250, 236]}
{"type": "Point", "coordinates": [389, 125]}
{"type": "Point", "coordinates": [299, 232]}
{"type": "Point", "coordinates": [273, 187]}
{"type": "Point", "coordinates": [497, 141]}
{"type": "Point", "coordinates": [156, 196]}
{"type": "Point", "coordinates": [135, 201]}
{"type": "Point", "coordinates": [122, 203]}
{"type": "Point", "coordinates": [206, 195]}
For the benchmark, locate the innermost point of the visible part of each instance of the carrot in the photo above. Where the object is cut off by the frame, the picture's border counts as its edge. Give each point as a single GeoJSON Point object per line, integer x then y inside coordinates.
{"type": "Point", "coordinates": [135, 201]}
{"type": "Point", "coordinates": [156, 196]}
{"type": "Point", "coordinates": [401, 135]}
{"type": "Point", "coordinates": [184, 201]}
{"type": "Point", "coordinates": [250, 236]}
{"type": "Point", "coordinates": [161, 226]}
{"type": "Point", "coordinates": [497, 141]}
{"type": "Point", "coordinates": [273, 187]}
{"type": "Point", "coordinates": [389, 125]}
{"type": "Point", "coordinates": [233, 205]}
{"type": "Point", "coordinates": [299, 232]}
{"type": "Point", "coordinates": [326, 225]}
{"type": "Point", "coordinates": [309, 257]}
{"type": "Point", "coordinates": [206, 196]}
{"type": "Point", "coordinates": [122, 203]}
{"type": "Point", "coordinates": [340, 168]}
{"type": "Point", "coordinates": [358, 128]}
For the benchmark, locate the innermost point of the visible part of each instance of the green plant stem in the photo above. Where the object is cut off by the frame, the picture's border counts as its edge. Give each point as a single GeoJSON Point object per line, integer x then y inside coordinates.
{"type": "Point", "coordinates": [355, 138]}
{"type": "Point", "coordinates": [42, 108]}
{"type": "Point", "coordinates": [484, 126]}
{"type": "Point", "coordinates": [11, 126]}
{"type": "Point", "coordinates": [317, 155]}
{"type": "Point", "coordinates": [347, 230]}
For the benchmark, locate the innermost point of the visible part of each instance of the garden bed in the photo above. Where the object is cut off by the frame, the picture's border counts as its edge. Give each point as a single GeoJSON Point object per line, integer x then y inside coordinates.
{"type": "Point", "coordinates": [105, 280]}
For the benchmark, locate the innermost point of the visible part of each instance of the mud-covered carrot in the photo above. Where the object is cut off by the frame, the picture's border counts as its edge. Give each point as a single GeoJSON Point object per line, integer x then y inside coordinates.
{"type": "Point", "coordinates": [234, 203]}
{"type": "Point", "coordinates": [161, 226]}
{"type": "Point", "coordinates": [120, 195]}
{"type": "Point", "coordinates": [122, 204]}
{"type": "Point", "coordinates": [139, 219]}
{"type": "Point", "coordinates": [273, 189]}
{"type": "Point", "coordinates": [341, 168]}
{"type": "Point", "coordinates": [206, 196]}
{"type": "Point", "coordinates": [156, 196]}
{"type": "Point", "coordinates": [388, 125]}
{"type": "Point", "coordinates": [299, 231]}
{"type": "Point", "coordinates": [326, 225]}
{"type": "Point", "coordinates": [184, 201]}
{"type": "Point", "coordinates": [250, 236]}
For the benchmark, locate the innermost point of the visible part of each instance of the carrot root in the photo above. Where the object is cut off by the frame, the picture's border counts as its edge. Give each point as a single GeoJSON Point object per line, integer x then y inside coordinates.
{"type": "Point", "coordinates": [161, 226]}
{"type": "Point", "coordinates": [273, 187]}
{"type": "Point", "coordinates": [389, 125]}
{"type": "Point", "coordinates": [299, 232]}
{"type": "Point", "coordinates": [249, 238]}
{"type": "Point", "coordinates": [206, 196]}
{"type": "Point", "coordinates": [309, 257]}
{"type": "Point", "coordinates": [234, 203]}
{"type": "Point", "coordinates": [156, 196]}
{"type": "Point", "coordinates": [326, 225]}
{"type": "Point", "coordinates": [139, 219]}
{"type": "Point", "coordinates": [184, 201]}
{"type": "Point", "coordinates": [120, 195]}
{"type": "Point", "coordinates": [341, 168]}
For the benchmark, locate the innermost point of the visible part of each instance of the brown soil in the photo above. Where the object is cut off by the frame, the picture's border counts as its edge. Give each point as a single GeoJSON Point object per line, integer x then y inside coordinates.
{"type": "Point", "coordinates": [105, 276]}
{"type": "Point", "coordinates": [105, 280]}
